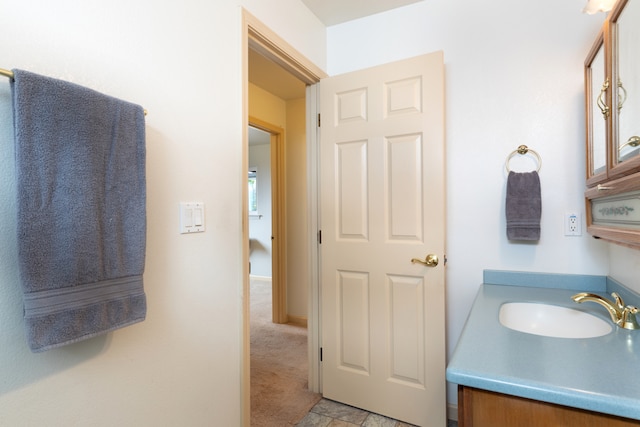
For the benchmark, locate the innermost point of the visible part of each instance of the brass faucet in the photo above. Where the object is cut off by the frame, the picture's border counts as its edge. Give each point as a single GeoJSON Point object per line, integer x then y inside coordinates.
{"type": "Point", "coordinates": [621, 315]}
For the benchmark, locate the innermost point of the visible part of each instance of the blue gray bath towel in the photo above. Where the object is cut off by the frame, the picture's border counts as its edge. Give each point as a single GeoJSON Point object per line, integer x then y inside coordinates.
{"type": "Point", "coordinates": [523, 206]}
{"type": "Point", "coordinates": [80, 165]}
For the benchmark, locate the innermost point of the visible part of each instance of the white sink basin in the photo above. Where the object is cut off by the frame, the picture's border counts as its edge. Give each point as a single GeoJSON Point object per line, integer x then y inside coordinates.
{"type": "Point", "coordinates": [552, 320]}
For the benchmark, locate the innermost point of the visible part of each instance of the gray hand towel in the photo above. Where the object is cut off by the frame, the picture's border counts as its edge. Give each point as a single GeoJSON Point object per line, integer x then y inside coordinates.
{"type": "Point", "coordinates": [523, 206]}
{"type": "Point", "coordinates": [80, 165]}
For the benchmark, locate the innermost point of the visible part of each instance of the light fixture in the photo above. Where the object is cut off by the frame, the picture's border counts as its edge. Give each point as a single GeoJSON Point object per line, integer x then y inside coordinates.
{"type": "Point", "coordinates": [595, 6]}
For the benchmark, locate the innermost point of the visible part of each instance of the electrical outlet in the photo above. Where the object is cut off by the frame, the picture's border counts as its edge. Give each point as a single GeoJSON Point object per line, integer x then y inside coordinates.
{"type": "Point", "coordinates": [572, 224]}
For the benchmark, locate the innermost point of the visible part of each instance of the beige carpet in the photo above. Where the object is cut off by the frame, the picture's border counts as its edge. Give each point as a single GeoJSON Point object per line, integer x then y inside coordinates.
{"type": "Point", "coordinates": [279, 366]}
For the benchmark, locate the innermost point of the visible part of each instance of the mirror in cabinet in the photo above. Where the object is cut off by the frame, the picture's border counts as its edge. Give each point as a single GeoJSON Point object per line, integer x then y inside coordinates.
{"type": "Point", "coordinates": [597, 112]}
{"type": "Point", "coordinates": [625, 30]}
{"type": "Point", "coordinates": [612, 84]}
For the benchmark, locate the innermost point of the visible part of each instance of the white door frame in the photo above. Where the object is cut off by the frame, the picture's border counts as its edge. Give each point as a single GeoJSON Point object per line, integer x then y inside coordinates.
{"type": "Point", "coordinates": [313, 221]}
{"type": "Point", "coordinates": [259, 37]}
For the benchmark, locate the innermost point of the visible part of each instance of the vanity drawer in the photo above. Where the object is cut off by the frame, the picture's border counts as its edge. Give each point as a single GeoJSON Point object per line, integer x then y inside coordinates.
{"type": "Point", "coordinates": [482, 408]}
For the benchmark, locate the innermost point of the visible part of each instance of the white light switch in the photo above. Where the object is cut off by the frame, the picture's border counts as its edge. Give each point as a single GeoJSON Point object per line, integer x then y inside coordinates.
{"type": "Point", "coordinates": [191, 218]}
{"type": "Point", "coordinates": [197, 216]}
{"type": "Point", "coordinates": [188, 217]}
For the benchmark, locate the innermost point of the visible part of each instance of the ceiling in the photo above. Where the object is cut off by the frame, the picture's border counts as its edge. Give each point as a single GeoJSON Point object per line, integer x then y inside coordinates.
{"type": "Point", "coordinates": [258, 137]}
{"type": "Point", "coordinates": [275, 80]}
{"type": "Point", "coordinates": [332, 12]}
{"type": "Point", "coordinates": [271, 77]}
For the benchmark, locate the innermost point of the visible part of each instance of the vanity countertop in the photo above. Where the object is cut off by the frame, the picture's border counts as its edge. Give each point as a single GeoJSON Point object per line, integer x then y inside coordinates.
{"type": "Point", "coordinates": [600, 374]}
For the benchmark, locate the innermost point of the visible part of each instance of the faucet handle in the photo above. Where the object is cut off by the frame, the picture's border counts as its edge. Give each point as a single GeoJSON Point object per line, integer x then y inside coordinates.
{"type": "Point", "coordinates": [628, 318]}
{"type": "Point", "coordinates": [619, 301]}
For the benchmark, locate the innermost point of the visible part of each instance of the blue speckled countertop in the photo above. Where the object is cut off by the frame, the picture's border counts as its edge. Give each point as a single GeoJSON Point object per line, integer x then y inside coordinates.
{"type": "Point", "coordinates": [599, 374]}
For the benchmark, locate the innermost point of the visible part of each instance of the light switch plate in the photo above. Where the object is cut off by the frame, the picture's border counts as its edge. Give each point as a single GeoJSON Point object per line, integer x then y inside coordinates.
{"type": "Point", "coordinates": [191, 218]}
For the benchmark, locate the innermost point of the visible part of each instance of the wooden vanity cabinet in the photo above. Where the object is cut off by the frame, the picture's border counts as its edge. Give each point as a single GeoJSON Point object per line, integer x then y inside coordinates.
{"type": "Point", "coordinates": [482, 408]}
{"type": "Point", "coordinates": [612, 88]}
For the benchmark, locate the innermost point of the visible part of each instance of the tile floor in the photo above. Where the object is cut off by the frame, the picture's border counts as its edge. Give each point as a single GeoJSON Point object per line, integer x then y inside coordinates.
{"type": "Point", "coordinates": [327, 413]}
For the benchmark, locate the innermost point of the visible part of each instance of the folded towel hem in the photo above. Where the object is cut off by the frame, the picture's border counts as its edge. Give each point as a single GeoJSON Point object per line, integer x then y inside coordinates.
{"type": "Point", "coordinates": [37, 349]}
{"type": "Point", "coordinates": [523, 233]}
{"type": "Point", "coordinates": [52, 301]}
{"type": "Point", "coordinates": [84, 322]}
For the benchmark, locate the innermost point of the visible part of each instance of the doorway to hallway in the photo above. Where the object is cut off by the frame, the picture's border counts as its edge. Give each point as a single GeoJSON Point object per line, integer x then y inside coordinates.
{"type": "Point", "coordinates": [267, 211]}
{"type": "Point", "coordinates": [263, 44]}
{"type": "Point", "coordinates": [277, 202]}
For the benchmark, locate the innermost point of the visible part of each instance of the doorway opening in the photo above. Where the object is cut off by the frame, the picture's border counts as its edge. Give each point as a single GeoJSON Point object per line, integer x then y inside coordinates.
{"type": "Point", "coordinates": [279, 361]}
{"type": "Point", "coordinates": [258, 39]}
{"type": "Point", "coordinates": [267, 212]}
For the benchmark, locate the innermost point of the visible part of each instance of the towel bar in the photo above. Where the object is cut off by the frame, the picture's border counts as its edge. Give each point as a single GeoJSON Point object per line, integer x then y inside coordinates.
{"type": "Point", "coordinates": [9, 74]}
{"type": "Point", "coordinates": [6, 73]}
{"type": "Point", "coordinates": [523, 149]}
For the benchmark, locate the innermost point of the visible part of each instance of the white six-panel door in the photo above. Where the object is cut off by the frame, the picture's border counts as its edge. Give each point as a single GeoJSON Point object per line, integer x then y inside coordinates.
{"type": "Point", "coordinates": [382, 205]}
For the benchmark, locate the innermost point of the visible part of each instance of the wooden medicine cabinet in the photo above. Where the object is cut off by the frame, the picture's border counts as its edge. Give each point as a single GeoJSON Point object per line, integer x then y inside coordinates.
{"type": "Point", "coordinates": [612, 86]}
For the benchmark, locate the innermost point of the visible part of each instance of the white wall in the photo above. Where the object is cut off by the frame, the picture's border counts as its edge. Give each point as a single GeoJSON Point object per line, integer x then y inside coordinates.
{"type": "Point", "coordinates": [624, 266]}
{"type": "Point", "coordinates": [182, 62]}
{"type": "Point", "coordinates": [514, 75]}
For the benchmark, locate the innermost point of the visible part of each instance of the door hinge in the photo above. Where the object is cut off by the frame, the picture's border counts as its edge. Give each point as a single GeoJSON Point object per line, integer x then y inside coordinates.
{"type": "Point", "coordinates": [321, 354]}
{"type": "Point", "coordinates": [318, 119]}
{"type": "Point", "coordinates": [319, 237]}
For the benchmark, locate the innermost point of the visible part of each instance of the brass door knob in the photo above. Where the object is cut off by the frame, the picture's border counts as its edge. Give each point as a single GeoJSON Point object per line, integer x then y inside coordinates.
{"type": "Point", "coordinates": [430, 261]}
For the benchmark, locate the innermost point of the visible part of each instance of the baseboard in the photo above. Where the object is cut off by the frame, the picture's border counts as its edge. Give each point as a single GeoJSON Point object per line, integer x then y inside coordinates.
{"type": "Point", "coordinates": [452, 412]}
{"type": "Point", "coordinates": [260, 278]}
{"type": "Point", "coordinates": [297, 320]}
